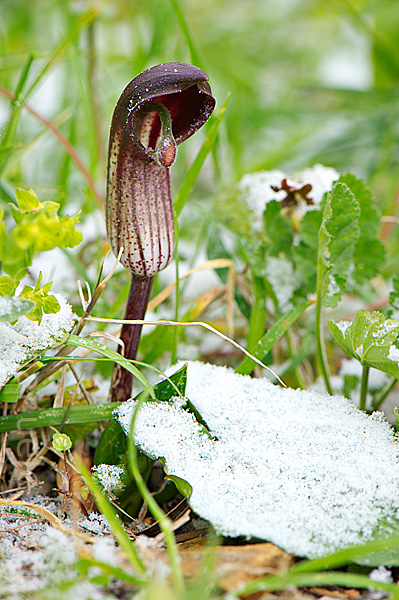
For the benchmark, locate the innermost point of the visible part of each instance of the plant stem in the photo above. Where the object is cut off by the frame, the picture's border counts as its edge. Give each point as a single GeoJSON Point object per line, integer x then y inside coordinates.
{"type": "Point", "coordinates": [321, 352]}
{"type": "Point", "coordinates": [299, 379]}
{"type": "Point", "coordinates": [163, 520]}
{"type": "Point", "coordinates": [388, 387]}
{"type": "Point", "coordinates": [363, 389]}
{"type": "Point", "coordinates": [177, 294]}
{"type": "Point", "coordinates": [258, 314]}
{"type": "Point", "coordinates": [139, 293]}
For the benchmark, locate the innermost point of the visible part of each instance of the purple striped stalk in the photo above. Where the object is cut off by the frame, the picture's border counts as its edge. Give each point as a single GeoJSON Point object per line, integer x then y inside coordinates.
{"type": "Point", "coordinates": [159, 109]}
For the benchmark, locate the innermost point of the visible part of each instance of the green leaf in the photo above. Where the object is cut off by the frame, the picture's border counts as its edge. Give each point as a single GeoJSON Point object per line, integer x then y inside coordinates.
{"type": "Point", "coordinates": [267, 341]}
{"type": "Point", "coordinates": [7, 285]}
{"type": "Point", "coordinates": [182, 485]}
{"type": "Point", "coordinates": [394, 295]}
{"type": "Point", "coordinates": [369, 252]}
{"type": "Point", "coordinates": [27, 199]}
{"type": "Point", "coordinates": [304, 252]}
{"type": "Point", "coordinates": [112, 446]}
{"type": "Point", "coordinates": [369, 339]}
{"type": "Point", "coordinates": [278, 229]}
{"type": "Point", "coordinates": [12, 308]}
{"type": "Point", "coordinates": [338, 235]}
{"type": "Point", "coordinates": [10, 393]}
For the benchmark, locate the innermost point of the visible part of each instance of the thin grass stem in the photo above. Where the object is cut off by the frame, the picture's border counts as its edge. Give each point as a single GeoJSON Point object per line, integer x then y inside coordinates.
{"type": "Point", "coordinates": [158, 514]}
{"type": "Point", "coordinates": [364, 387]}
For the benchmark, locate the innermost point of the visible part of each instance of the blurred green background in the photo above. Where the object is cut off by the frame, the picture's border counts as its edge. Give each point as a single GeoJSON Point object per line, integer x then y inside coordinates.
{"type": "Point", "coordinates": [310, 81]}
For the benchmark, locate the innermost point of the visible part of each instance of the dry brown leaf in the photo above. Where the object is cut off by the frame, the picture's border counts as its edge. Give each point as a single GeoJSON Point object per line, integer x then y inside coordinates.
{"type": "Point", "coordinates": [237, 565]}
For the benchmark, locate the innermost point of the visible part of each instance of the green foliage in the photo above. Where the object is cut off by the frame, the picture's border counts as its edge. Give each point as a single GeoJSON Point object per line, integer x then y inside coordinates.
{"type": "Point", "coordinates": [38, 228]}
{"type": "Point", "coordinates": [266, 342]}
{"type": "Point", "coordinates": [369, 339]}
{"type": "Point", "coordinates": [394, 295]}
{"type": "Point", "coordinates": [338, 235]}
{"type": "Point", "coordinates": [369, 253]}
{"type": "Point", "coordinates": [278, 229]}
{"type": "Point", "coordinates": [61, 442]}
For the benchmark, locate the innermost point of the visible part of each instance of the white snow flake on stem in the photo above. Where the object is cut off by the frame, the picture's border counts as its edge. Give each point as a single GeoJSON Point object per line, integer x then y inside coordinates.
{"type": "Point", "coordinates": [308, 472]}
{"type": "Point", "coordinates": [19, 342]}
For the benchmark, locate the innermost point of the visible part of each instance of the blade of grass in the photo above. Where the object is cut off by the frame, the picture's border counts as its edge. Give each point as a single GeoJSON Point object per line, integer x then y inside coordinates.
{"type": "Point", "coordinates": [347, 555]}
{"type": "Point", "coordinates": [195, 168]}
{"type": "Point", "coordinates": [65, 143]}
{"type": "Point", "coordinates": [349, 580]}
{"type": "Point", "coordinates": [194, 52]}
{"type": "Point", "coordinates": [86, 19]}
{"type": "Point", "coordinates": [90, 344]}
{"type": "Point", "coordinates": [108, 511]}
{"type": "Point", "coordinates": [189, 324]}
{"type": "Point", "coordinates": [57, 416]}
{"type": "Point", "coordinates": [267, 341]}
{"type": "Point", "coordinates": [156, 511]}
{"type": "Point", "coordinates": [83, 564]}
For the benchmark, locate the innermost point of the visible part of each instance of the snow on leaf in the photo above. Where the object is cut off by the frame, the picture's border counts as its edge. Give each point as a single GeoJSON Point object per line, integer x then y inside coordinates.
{"type": "Point", "coordinates": [374, 335]}
{"type": "Point", "coordinates": [110, 476]}
{"type": "Point", "coordinates": [306, 471]}
{"type": "Point", "coordinates": [24, 339]}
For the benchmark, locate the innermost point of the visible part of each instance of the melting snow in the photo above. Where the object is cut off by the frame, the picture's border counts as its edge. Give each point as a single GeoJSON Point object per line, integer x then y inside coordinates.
{"type": "Point", "coordinates": [19, 342]}
{"type": "Point", "coordinates": [304, 470]}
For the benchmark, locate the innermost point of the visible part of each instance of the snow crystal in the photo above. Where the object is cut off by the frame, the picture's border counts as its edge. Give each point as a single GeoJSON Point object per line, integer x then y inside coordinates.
{"type": "Point", "coordinates": [257, 187]}
{"type": "Point", "coordinates": [381, 574]}
{"type": "Point", "coordinates": [20, 341]}
{"type": "Point", "coordinates": [333, 287]}
{"type": "Point", "coordinates": [393, 353]}
{"type": "Point", "coordinates": [110, 476]}
{"type": "Point", "coordinates": [343, 326]}
{"type": "Point", "coordinates": [306, 471]}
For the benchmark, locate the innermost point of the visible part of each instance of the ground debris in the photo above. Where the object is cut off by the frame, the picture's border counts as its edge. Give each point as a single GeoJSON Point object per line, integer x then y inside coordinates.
{"type": "Point", "coordinates": [235, 565]}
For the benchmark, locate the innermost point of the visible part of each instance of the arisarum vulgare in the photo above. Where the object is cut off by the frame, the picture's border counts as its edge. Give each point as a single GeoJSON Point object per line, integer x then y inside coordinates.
{"type": "Point", "coordinates": [159, 109]}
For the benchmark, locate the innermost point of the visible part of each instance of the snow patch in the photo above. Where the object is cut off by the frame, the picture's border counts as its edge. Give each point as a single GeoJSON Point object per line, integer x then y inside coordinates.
{"type": "Point", "coordinates": [306, 471]}
{"type": "Point", "coordinates": [25, 338]}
